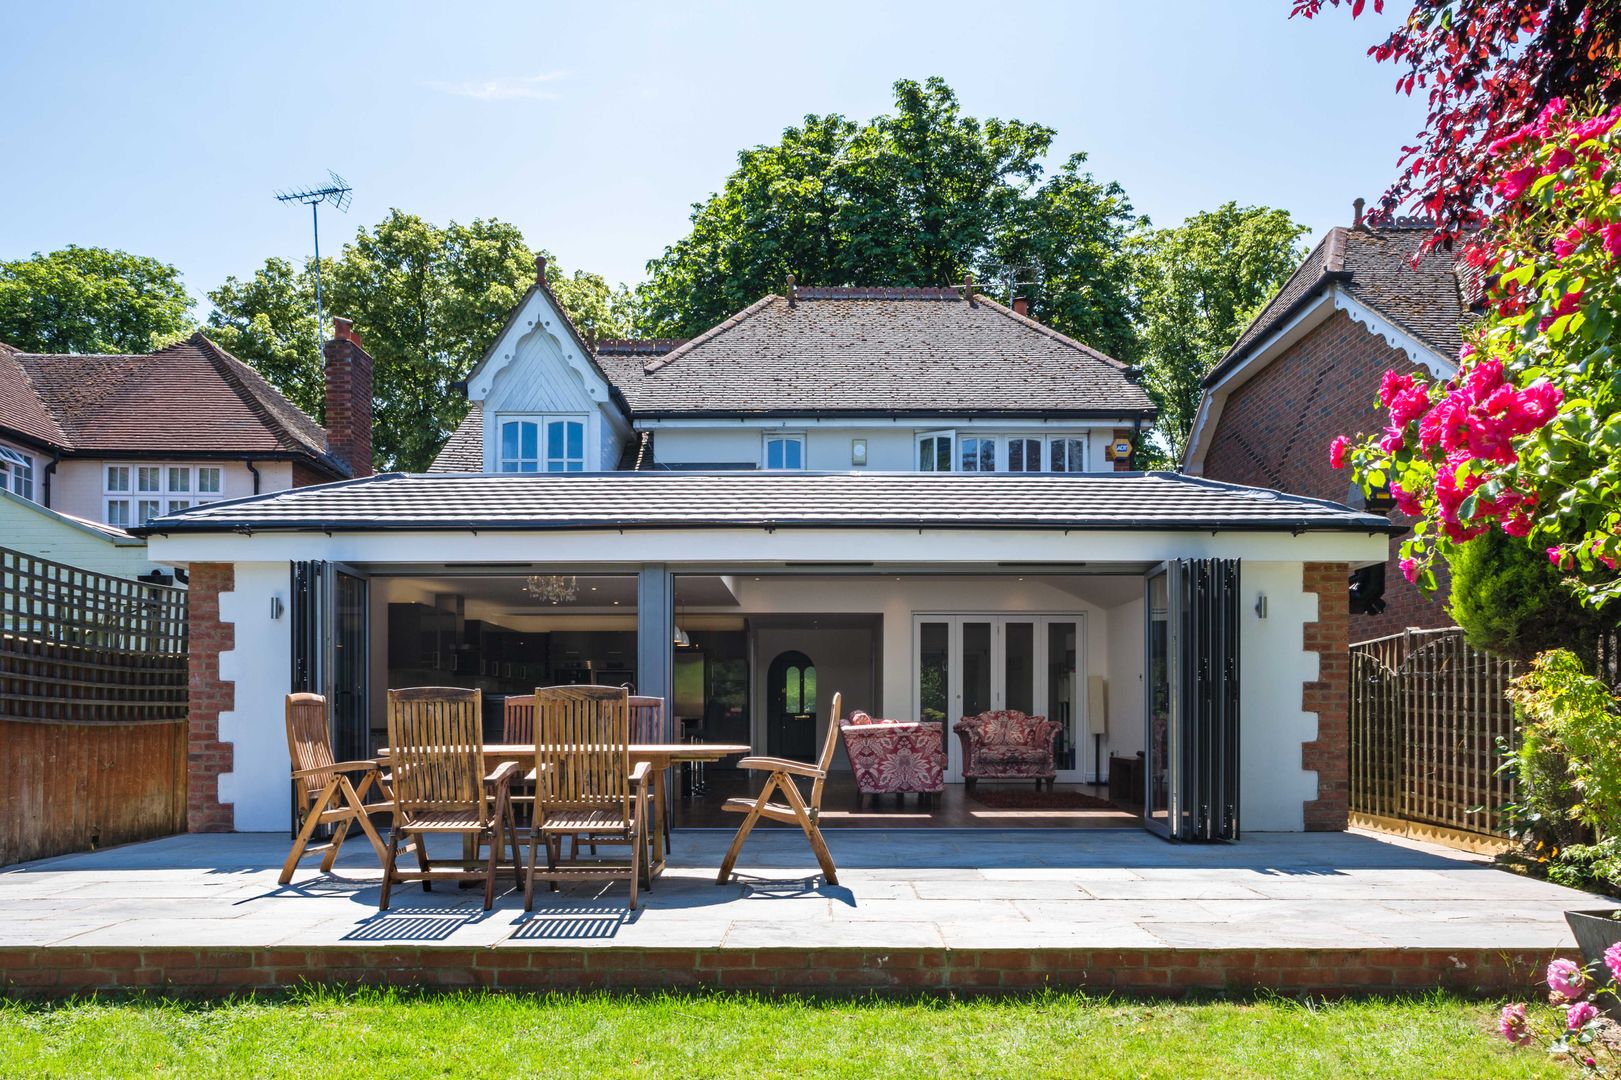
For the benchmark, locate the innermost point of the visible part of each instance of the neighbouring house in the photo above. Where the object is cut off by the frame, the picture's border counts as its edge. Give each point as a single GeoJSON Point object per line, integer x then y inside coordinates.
{"type": "Point", "coordinates": [92, 445]}
{"type": "Point", "coordinates": [918, 498]}
{"type": "Point", "coordinates": [1308, 368]}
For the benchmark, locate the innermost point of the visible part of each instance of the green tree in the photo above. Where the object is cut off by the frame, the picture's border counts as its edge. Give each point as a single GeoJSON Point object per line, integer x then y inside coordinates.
{"type": "Point", "coordinates": [1512, 601]}
{"type": "Point", "coordinates": [91, 300]}
{"type": "Point", "coordinates": [914, 197]}
{"type": "Point", "coordinates": [428, 301]}
{"type": "Point", "coordinates": [1197, 286]}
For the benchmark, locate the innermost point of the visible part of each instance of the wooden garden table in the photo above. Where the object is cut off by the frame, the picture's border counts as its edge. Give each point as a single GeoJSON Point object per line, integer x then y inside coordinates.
{"type": "Point", "coordinates": [659, 757]}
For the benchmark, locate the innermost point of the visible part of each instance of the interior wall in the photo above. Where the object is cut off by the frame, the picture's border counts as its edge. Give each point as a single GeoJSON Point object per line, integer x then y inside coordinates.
{"type": "Point", "coordinates": [1127, 681]}
{"type": "Point", "coordinates": [844, 658]}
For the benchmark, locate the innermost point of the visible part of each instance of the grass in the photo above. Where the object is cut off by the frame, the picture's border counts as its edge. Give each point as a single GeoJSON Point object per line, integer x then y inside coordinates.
{"type": "Point", "coordinates": [400, 1034]}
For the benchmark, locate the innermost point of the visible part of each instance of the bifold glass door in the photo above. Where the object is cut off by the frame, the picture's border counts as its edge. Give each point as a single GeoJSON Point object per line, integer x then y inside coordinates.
{"type": "Point", "coordinates": [329, 620]}
{"type": "Point", "coordinates": [969, 664]}
{"type": "Point", "coordinates": [1191, 730]}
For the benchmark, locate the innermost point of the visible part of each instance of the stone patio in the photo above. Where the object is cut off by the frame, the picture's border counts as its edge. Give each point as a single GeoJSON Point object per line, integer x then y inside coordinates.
{"type": "Point", "coordinates": [923, 909]}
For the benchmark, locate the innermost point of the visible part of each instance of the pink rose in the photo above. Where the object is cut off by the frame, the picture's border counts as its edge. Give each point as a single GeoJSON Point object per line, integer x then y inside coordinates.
{"type": "Point", "coordinates": [1612, 960]}
{"type": "Point", "coordinates": [1393, 384]}
{"type": "Point", "coordinates": [1514, 1025]}
{"type": "Point", "coordinates": [1566, 980]}
{"type": "Point", "coordinates": [1514, 184]}
{"type": "Point", "coordinates": [1336, 451]}
{"type": "Point", "coordinates": [1409, 570]}
{"type": "Point", "coordinates": [1556, 556]}
{"type": "Point", "coordinates": [1580, 1015]}
{"type": "Point", "coordinates": [1612, 239]}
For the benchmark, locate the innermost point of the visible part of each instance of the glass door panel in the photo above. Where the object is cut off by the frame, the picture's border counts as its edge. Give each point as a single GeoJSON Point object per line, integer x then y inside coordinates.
{"type": "Point", "coordinates": [1062, 675]}
{"type": "Point", "coordinates": [1160, 698]}
{"type": "Point", "coordinates": [934, 673]}
{"type": "Point", "coordinates": [977, 668]}
{"type": "Point", "coordinates": [351, 720]}
{"type": "Point", "coordinates": [1019, 667]}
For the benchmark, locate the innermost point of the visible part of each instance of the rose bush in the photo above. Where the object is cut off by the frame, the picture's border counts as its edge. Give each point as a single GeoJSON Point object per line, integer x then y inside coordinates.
{"type": "Point", "coordinates": [1578, 1038]}
{"type": "Point", "coordinates": [1526, 437]}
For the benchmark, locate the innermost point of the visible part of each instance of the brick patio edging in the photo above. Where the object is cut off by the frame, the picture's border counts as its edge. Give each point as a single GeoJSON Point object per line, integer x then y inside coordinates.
{"type": "Point", "coordinates": [63, 971]}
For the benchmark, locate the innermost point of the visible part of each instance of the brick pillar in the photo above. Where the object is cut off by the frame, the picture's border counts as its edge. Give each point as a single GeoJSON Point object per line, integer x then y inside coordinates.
{"type": "Point", "coordinates": [1329, 697]}
{"type": "Point", "coordinates": [206, 756]}
{"type": "Point", "coordinates": [348, 399]}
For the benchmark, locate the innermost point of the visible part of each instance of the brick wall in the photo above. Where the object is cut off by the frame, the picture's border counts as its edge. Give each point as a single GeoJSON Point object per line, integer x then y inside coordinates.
{"type": "Point", "coordinates": [304, 476]}
{"type": "Point", "coordinates": [1329, 698]}
{"type": "Point", "coordinates": [206, 756]}
{"type": "Point", "coordinates": [348, 399]}
{"type": "Point", "coordinates": [1275, 430]}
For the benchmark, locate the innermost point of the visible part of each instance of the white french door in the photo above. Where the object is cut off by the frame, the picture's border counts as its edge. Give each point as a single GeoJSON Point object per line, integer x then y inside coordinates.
{"type": "Point", "coordinates": [964, 665]}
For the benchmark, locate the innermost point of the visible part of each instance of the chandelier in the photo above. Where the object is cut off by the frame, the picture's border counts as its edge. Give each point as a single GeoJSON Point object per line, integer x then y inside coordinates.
{"type": "Point", "coordinates": [552, 588]}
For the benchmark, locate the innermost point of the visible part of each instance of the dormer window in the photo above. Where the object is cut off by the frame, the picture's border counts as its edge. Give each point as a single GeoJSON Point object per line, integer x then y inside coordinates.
{"type": "Point", "coordinates": [784, 451]}
{"type": "Point", "coordinates": [541, 444]}
{"type": "Point", "coordinates": [934, 451]}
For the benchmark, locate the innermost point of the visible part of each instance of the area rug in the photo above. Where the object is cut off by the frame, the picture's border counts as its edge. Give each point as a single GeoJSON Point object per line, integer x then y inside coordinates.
{"type": "Point", "coordinates": [1027, 799]}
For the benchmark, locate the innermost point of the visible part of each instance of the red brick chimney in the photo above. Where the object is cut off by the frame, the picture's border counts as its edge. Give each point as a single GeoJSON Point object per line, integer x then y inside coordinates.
{"type": "Point", "coordinates": [1021, 305]}
{"type": "Point", "coordinates": [348, 398]}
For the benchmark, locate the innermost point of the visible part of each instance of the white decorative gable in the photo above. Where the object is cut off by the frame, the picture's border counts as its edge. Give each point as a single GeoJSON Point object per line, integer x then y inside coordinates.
{"type": "Point", "coordinates": [537, 369]}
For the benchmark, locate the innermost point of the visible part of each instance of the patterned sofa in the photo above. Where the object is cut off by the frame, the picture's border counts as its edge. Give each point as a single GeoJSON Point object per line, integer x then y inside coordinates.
{"type": "Point", "coordinates": [1008, 745]}
{"type": "Point", "coordinates": [895, 756]}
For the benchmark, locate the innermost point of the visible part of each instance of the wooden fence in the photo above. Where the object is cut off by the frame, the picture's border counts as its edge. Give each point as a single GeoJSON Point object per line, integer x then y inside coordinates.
{"type": "Point", "coordinates": [92, 708]}
{"type": "Point", "coordinates": [1428, 714]}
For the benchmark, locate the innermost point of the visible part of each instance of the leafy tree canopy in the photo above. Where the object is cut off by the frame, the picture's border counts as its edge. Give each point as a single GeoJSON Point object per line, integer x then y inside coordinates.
{"type": "Point", "coordinates": [1197, 286]}
{"type": "Point", "coordinates": [428, 301]}
{"type": "Point", "coordinates": [915, 197]}
{"type": "Point", "coordinates": [91, 300]}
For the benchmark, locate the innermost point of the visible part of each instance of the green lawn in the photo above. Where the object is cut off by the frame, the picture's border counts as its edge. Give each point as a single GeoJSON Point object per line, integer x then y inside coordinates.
{"type": "Point", "coordinates": [407, 1035]}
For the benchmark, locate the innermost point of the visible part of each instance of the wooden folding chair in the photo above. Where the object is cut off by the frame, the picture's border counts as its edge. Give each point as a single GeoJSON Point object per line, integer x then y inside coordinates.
{"type": "Point", "coordinates": [326, 795]}
{"type": "Point", "coordinates": [585, 787]}
{"type": "Point", "coordinates": [795, 811]}
{"type": "Point", "coordinates": [436, 766]}
{"type": "Point", "coordinates": [518, 726]}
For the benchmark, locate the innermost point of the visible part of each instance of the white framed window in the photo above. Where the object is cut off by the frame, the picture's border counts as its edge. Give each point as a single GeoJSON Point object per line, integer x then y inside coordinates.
{"type": "Point", "coordinates": [1066, 453]}
{"type": "Point", "coordinates": [976, 453]}
{"type": "Point", "coordinates": [519, 447]}
{"type": "Point", "coordinates": [135, 494]}
{"type": "Point", "coordinates": [565, 446]}
{"type": "Point", "coordinates": [934, 451]}
{"type": "Point", "coordinates": [784, 450]}
{"type": "Point", "coordinates": [535, 444]}
{"type": "Point", "coordinates": [1023, 454]}
{"type": "Point", "coordinates": [17, 472]}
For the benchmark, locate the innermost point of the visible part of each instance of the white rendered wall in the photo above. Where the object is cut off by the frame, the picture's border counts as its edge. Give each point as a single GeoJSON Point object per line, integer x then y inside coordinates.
{"type": "Point", "coordinates": [828, 447]}
{"type": "Point", "coordinates": [260, 665]}
{"type": "Point", "coordinates": [1273, 665]}
{"type": "Point", "coordinates": [78, 484]}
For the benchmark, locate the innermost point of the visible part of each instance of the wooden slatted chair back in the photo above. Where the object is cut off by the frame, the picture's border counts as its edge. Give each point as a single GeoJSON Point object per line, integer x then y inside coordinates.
{"type": "Point", "coordinates": [826, 760]}
{"type": "Point", "coordinates": [436, 749]}
{"type": "Point", "coordinates": [647, 720]}
{"type": "Point", "coordinates": [518, 719]}
{"type": "Point", "coordinates": [309, 743]}
{"type": "Point", "coordinates": [582, 753]}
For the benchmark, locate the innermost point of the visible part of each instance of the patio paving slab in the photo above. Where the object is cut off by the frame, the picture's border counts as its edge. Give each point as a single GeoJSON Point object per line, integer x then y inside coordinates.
{"type": "Point", "coordinates": [902, 889]}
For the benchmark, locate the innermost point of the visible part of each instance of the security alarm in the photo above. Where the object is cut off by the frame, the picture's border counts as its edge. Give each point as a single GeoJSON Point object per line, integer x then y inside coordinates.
{"type": "Point", "coordinates": [1122, 448]}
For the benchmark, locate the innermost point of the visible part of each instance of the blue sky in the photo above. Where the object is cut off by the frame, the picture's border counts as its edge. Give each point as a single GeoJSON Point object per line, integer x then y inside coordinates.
{"type": "Point", "coordinates": [164, 129]}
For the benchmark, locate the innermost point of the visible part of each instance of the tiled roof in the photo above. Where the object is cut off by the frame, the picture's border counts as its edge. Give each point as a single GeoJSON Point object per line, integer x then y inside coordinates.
{"type": "Point", "coordinates": [631, 500]}
{"type": "Point", "coordinates": [21, 410]}
{"type": "Point", "coordinates": [1375, 267]}
{"type": "Point", "coordinates": [464, 450]}
{"type": "Point", "coordinates": [866, 351]}
{"type": "Point", "coordinates": [190, 398]}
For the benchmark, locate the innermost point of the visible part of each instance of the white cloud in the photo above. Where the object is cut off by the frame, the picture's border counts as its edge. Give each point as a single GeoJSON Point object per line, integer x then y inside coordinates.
{"type": "Point", "coordinates": [506, 87]}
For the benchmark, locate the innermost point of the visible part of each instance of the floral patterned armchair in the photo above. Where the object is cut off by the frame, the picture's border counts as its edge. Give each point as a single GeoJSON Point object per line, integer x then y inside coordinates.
{"type": "Point", "coordinates": [895, 756]}
{"type": "Point", "coordinates": [1008, 745]}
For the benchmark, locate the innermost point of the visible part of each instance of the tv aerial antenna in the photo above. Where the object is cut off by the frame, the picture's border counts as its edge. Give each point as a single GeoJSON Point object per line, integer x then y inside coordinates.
{"type": "Point", "coordinates": [336, 194]}
{"type": "Point", "coordinates": [1011, 277]}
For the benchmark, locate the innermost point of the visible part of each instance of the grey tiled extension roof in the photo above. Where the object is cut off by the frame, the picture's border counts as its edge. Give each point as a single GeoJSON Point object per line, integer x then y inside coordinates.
{"type": "Point", "coordinates": [864, 351]}
{"type": "Point", "coordinates": [632, 500]}
{"type": "Point", "coordinates": [1375, 267]}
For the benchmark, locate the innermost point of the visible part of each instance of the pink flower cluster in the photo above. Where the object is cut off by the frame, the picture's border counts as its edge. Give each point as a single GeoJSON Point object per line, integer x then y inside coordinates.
{"type": "Point", "coordinates": [1515, 1025]}
{"type": "Point", "coordinates": [1566, 981]}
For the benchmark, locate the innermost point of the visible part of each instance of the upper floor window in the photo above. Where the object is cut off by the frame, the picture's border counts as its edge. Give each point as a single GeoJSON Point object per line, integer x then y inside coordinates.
{"type": "Point", "coordinates": [17, 472]}
{"type": "Point", "coordinates": [784, 451]}
{"type": "Point", "coordinates": [135, 494]}
{"type": "Point", "coordinates": [542, 444]}
{"type": "Point", "coordinates": [978, 454]}
{"type": "Point", "coordinates": [945, 451]}
{"type": "Point", "coordinates": [934, 452]}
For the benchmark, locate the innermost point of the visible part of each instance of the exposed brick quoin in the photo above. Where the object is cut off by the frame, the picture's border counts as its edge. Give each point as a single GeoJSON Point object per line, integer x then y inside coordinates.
{"type": "Point", "coordinates": [206, 756]}
{"type": "Point", "coordinates": [1329, 698]}
{"type": "Point", "coordinates": [210, 971]}
{"type": "Point", "coordinates": [1275, 431]}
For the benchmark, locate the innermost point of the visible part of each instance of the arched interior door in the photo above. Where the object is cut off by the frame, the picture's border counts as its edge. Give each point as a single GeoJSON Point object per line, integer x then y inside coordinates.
{"type": "Point", "coordinates": [791, 707]}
